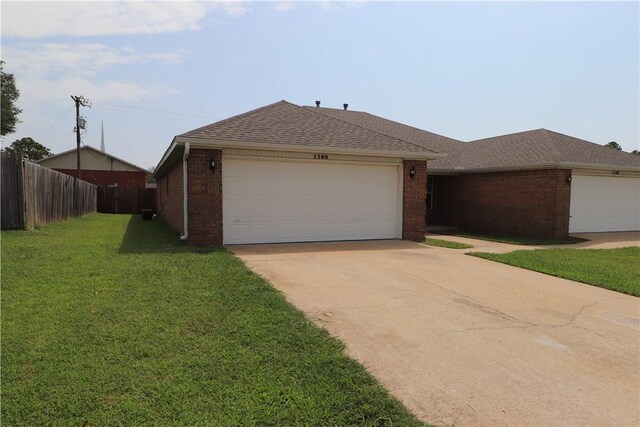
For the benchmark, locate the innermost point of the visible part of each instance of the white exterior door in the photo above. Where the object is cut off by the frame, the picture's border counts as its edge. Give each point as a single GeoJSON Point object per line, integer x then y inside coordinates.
{"type": "Point", "coordinates": [603, 203]}
{"type": "Point", "coordinates": [268, 201]}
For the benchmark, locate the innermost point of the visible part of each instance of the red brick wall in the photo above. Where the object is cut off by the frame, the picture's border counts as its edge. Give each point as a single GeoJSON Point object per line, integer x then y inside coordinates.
{"type": "Point", "coordinates": [105, 178]}
{"type": "Point", "coordinates": [414, 194]}
{"type": "Point", "coordinates": [524, 203]}
{"type": "Point", "coordinates": [205, 198]}
{"type": "Point", "coordinates": [169, 197]}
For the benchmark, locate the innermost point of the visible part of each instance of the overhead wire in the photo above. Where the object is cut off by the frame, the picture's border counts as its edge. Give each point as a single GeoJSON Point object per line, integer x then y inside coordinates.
{"type": "Point", "coordinates": [56, 122]}
{"type": "Point", "coordinates": [57, 137]}
{"type": "Point", "coordinates": [131, 123]}
{"type": "Point", "coordinates": [129, 107]}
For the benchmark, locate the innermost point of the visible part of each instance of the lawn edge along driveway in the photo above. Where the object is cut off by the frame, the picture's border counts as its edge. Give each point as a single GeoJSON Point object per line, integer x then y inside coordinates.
{"type": "Point", "coordinates": [111, 320]}
{"type": "Point", "coordinates": [615, 269]}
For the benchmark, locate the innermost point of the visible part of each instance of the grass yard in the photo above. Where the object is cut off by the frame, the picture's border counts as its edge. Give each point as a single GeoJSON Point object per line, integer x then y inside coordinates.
{"type": "Point", "coordinates": [110, 320]}
{"type": "Point", "coordinates": [518, 240]}
{"type": "Point", "coordinates": [615, 269]}
{"type": "Point", "coordinates": [446, 243]}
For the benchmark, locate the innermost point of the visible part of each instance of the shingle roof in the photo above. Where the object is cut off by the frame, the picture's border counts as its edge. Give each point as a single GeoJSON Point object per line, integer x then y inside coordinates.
{"type": "Point", "coordinates": [289, 124]}
{"type": "Point", "coordinates": [429, 140]}
{"type": "Point", "coordinates": [533, 147]}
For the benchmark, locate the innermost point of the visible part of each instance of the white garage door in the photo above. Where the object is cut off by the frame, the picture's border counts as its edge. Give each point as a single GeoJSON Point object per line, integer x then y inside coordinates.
{"type": "Point", "coordinates": [266, 201]}
{"type": "Point", "coordinates": [601, 203]}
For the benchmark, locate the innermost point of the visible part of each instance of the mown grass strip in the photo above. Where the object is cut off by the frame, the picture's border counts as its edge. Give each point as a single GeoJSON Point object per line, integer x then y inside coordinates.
{"type": "Point", "coordinates": [615, 269]}
{"type": "Point", "coordinates": [446, 243]}
{"type": "Point", "coordinates": [110, 320]}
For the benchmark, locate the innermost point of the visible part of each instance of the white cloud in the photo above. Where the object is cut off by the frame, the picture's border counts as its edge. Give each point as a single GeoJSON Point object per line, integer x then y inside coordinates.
{"type": "Point", "coordinates": [89, 18]}
{"type": "Point", "coordinates": [283, 6]}
{"type": "Point", "coordinates": [38, 59]}
{"type": "Point", "coordinates": [50, 72]}
{"type": "Point", "coordinates": [105, 90]}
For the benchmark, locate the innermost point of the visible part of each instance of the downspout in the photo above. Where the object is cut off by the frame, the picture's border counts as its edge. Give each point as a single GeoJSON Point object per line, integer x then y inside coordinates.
{"type": "Point", "coordinates": [185, 193]}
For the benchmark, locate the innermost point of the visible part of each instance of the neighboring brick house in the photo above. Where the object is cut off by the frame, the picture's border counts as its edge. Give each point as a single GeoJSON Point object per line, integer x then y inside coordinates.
{"type": "Point", "coordinates": [539, 183]}
{"type": "Point", "coordinates": [285, 173]}
{"type": "Point", "coordinates": [98, 167]}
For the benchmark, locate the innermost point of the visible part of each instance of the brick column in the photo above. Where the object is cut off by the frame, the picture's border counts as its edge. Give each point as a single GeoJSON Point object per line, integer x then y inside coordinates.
{"type": "Point", "coordinates": [205, 197]}
{"type": "Point", "coordinates": [414, 197]}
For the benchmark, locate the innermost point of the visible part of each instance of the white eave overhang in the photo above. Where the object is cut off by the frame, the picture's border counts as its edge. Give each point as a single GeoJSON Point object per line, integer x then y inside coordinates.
{"type": "Point", "coordinates": [178, 144]}
{"type": "Point", "coordinates": [556, 165]}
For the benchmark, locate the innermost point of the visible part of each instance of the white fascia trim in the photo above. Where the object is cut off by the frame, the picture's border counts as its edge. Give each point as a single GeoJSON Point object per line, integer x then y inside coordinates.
{"type": "Point", "coordinates": [560, 165]}
{"type": "Point", "coordinates": [166, 154]}
{"type": "Point", "coordinates": [213, 143]}
{"type": "Point", "coordinates": [576, 165]}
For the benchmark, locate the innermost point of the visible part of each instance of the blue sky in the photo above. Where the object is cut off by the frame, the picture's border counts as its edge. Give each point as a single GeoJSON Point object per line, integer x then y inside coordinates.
{"type": "Point", "coordinates": [464, 70]}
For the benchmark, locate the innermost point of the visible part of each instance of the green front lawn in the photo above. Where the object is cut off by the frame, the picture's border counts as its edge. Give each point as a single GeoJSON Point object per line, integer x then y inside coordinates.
{"type": "Point", "coordinates": [110, 320]}
{"type": "Point", "coordinates": [518, 240]}
{"type": "Point", "coordinates": [616, 269]}
{"type": "Point", "coordinates": [446, 243]}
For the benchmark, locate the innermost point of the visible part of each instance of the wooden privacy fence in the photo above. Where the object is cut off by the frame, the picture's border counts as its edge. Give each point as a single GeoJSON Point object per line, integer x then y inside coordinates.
{"type": "Point", "coordinates": [124, 200]}
{"type": "Point", "coordinates": [33, 195]}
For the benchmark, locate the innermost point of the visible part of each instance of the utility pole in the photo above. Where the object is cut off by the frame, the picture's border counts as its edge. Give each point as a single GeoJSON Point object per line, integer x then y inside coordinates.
{"type": "Point", "coordinates": [80, 124]}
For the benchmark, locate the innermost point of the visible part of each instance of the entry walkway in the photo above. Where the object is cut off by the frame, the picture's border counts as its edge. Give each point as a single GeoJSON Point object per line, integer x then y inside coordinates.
{"type": "Point", "coordinates": [594, 241]}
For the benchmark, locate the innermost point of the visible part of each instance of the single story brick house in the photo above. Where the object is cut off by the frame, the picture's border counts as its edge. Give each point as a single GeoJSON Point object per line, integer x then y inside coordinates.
{"type": "Point", "coordinates": [98, 167]}
{"type": "Point", "coordinates": [285, 173]}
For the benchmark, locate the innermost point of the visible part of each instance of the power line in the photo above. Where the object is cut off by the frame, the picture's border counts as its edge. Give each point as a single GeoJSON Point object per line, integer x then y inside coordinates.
{"type": "Point", "coordinates": [128, 107]}
{"type": "Point", "coordinates": [55, 123]}
{"type": "Point", "coordinates": [161, 116]}
{"type": "Point", "coordinates": [57, 137]}
{"type": "Point", "coordinates": [135, 124]}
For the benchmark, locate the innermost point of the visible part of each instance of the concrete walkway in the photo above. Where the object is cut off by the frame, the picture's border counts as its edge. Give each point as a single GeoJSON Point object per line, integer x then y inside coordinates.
{"type": "Point", "coordinates": [594, 241]}
{"type": "Point", "coordinates": [465, 341]}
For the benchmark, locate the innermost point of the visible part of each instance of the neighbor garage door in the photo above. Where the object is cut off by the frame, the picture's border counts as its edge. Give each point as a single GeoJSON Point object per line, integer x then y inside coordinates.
{"type": "Point", "coordinates": [267, 201]}
{"type": "Point", "coordinates": [603, 203]}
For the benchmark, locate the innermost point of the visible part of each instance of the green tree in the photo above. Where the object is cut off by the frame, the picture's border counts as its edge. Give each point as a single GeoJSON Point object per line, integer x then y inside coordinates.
{"type": "Point", "coordinates": [636, 152]}
{"type": "Point", "coordinates": [613, 145]}
{"type": "Point", "coordinates": [29, 149]}
{"type": "Point", "coordinates": [10, 94]}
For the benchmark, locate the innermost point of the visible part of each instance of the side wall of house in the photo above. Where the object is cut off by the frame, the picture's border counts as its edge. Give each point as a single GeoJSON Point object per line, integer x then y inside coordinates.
{"type": "Point", "coordinates": [169, 197]}
{"type": "Point", "coordinates": [531, 203]}
{"type": "Point", "coordinates": [414, 193]}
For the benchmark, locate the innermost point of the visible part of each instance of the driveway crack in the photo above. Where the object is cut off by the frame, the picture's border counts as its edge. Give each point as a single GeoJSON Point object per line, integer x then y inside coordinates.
{"type": "Point", "coordinates": [519, 324]}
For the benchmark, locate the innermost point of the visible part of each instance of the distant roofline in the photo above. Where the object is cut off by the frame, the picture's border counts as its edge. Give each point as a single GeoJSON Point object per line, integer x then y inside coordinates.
{"type": "Point", "coordinates": [97, 151]}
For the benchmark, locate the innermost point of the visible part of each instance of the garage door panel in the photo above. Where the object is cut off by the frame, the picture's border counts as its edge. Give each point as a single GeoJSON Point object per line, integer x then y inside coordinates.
{"type": "Point", "coordinates": [602, 203]}
{"type": "Point", "coordinates": [279, 201]}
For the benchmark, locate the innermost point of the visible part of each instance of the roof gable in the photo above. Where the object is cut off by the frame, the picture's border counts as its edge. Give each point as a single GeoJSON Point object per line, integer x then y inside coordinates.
{"type": "Point", "coordinates": [94, 152]}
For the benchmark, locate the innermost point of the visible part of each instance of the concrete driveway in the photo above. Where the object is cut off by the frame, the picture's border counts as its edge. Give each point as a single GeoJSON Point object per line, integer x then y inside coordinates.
{"type": "Point", "coordinates": [465, 341]}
